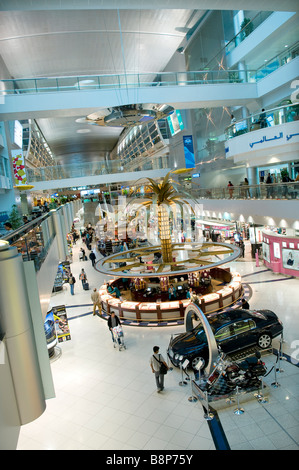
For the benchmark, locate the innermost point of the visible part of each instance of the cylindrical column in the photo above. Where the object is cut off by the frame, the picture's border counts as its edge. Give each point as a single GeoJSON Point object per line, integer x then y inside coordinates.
{"type": "Point", "coordinates": [16, 324]}
{"type": "Point", "coordinates": [60, 235]}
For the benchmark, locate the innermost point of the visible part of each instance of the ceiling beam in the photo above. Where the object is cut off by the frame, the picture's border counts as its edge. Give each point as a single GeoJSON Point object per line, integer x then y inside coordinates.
{"type": "Point", "coordinates": [43, 5]}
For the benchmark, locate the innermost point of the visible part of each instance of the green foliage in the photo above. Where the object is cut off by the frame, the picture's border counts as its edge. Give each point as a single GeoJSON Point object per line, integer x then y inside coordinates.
{"type": "Point", "coordinates": [15, 218]}
{"type": "Point", "coordinates": [248, 27]}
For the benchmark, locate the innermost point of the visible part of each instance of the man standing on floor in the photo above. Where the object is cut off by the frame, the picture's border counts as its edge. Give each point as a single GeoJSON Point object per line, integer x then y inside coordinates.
{"type": "Point", "coordinates": [155, 362]}
{"type": "Point", "coordinates": [92, 258]}
{"type": "Point", "coordinates": [72, 281]}
{"type": "Point", "coordinates": [95, 297]}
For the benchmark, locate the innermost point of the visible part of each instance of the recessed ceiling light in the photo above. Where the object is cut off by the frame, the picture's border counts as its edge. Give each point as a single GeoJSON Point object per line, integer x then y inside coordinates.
{"type": "Point", "coordinates": [85, 82]}
{"type": "Point", "coordinates": [83, 131]}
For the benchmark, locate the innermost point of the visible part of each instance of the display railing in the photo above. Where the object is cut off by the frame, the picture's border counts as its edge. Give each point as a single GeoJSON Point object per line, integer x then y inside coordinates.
{"type": "Point", "coordinates": [130, 80]}
{"type": "Point", "coordinates": [268, 118]}
{"type": "Point", "coordinates": [288, 190]}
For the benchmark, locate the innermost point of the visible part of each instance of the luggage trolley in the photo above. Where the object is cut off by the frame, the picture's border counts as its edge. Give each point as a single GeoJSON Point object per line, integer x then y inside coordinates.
{"type": "Point", "coordinates": [118, 337]}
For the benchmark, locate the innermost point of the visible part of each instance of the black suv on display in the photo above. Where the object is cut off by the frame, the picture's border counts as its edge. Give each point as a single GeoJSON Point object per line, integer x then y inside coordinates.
{"type": "Point", "coordinates": [234, 330]}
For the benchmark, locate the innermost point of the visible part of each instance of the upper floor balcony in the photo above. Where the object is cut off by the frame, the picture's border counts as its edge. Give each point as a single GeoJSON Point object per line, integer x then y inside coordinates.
{"type": "Point", "coordinates": [270, 136]}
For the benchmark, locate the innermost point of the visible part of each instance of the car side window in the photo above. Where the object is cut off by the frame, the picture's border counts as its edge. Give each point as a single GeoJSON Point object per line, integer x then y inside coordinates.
{"type": "Point", "coordinates": [223, 333]}
{"type": "Point", "coordinates": [243, 326]}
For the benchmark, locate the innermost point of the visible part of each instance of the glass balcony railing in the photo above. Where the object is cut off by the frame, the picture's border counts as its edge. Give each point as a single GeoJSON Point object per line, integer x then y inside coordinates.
{"type": "Point", "coordinates": [33, 240]}
{"type": "Point", "coordinates": [288, 190]}
{"type": "Point", "coordinates": [247, 29]}
{"type": "Point", "coordinates": [277, 61]}
{"type": "Point", "coordinates": [59, 172]}
{"type": "Point", "coordinates": [268, 118]}
{"type": "Point", "coordinates": [102, 82]}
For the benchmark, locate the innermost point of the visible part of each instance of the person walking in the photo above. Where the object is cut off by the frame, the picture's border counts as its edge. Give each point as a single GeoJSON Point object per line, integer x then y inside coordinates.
{"type": "Point", "coordinates": [245, 304]}
{"type": "Point", "coordinates": [230, 189]}
{"type": "Point", "coordinates": [113, 321]}
{"type": "Point", "coordinates": [72, 281]}
{"type": "Point", "coordinates": [96, 299]}
{"type": "Point", "coordinates": [263, 119]}
{"type": "Point", "coordinates": [156, 361]}
{"type": "Point", "coordinates": [83, 277]}
{"type": "Point", "coordinates": [242, 247]}
{"type": "Point", "coordinates": [82, 254]}
{"type": "Point", "coordinates": [269, 187]}
{"type": "Point", "coordinates": [247, 192]}
{"type": "Point", "coordinates": [92, 258]}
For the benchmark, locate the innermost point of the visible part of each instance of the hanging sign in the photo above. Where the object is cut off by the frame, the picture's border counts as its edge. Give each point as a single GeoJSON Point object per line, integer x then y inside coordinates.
{"type": "Point", "coordinates": [19, 170]}
{"type": "Point", "coordinates": [189, 151]}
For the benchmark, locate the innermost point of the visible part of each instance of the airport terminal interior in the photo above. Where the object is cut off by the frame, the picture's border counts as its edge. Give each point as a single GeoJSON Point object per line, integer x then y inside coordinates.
{"type": "Point", "coordinates": [149, 198]}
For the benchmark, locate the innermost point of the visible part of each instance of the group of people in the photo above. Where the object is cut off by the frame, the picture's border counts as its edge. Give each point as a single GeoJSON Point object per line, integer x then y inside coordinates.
{"type": "Point", "coordinates": [245, 189]}
{"type": "Point", "coordinates": [72, 280]}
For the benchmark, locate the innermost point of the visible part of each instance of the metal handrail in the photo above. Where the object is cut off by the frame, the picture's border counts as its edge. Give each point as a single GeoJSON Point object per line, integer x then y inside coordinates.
{"type": "Point", "coordinates": [254, 119]}
{"type": "Point", "coordinates": [13, 235]}
{"type": "Point", "coordinates": [11, 86]}
{"type": "Point", "coordinates": [282, 190]}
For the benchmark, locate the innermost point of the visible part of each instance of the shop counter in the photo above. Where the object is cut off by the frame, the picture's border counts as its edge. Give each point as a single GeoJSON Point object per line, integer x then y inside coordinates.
{"type": "Point", "coordinates": [171, 310]}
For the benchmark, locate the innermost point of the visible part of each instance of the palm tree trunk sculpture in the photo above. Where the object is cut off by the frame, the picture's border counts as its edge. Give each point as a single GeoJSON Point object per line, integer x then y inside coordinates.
{"type": "Point", "coordinates": [165, 194]}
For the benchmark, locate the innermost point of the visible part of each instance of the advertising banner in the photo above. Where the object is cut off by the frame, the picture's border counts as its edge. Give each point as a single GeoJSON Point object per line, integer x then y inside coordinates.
{"type": "Point", "coordinates": [50, 331]}
{"type": "Point", "coordinates": [266, 252]}
{"type": "Point", "coordinates": [61, 323]}
{"type": "Point", "coordinates": [19, 170]}
{"type": "Point", "coordinates": [175, 122]}
{"type": "Point", "coordinates": [189, 151]}
{"type": "Point", "coordinates": [290, 259]}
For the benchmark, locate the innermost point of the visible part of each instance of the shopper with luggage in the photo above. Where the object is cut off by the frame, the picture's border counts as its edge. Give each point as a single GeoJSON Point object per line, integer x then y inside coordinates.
{"type": "Point", "coordinates": [83, 279]}
{"type": "Point", "coordinates": [92, 258]}
{"type": "Point", "coordinates": [113, 322]}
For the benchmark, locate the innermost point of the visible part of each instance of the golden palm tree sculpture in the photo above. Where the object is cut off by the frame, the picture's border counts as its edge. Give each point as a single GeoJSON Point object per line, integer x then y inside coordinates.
{"type": "Point", "coordinates": [164, 195]}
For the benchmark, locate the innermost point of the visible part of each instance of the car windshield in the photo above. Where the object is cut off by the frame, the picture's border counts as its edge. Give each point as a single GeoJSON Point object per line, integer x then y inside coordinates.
{"type": "Point", "coordinates": [200, 334]}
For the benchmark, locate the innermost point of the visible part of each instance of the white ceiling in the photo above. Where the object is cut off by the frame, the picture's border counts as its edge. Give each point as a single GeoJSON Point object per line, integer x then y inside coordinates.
{"type": "Point", "coordinates": [55, 43]}
{"type": "Point", "coordinates": [76, 42]}
{"type": "Point", "coordinates": [270, 5]}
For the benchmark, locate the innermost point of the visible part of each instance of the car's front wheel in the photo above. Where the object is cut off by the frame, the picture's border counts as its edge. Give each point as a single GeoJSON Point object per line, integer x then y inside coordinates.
{"type": "Point", "coordinates": [264, 341]}
{"type": "Point", "coordinates": [195, 363]}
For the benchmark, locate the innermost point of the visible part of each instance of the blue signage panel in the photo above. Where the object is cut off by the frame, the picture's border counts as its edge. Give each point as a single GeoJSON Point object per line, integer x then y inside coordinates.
{"type": "Point", "coordinates": [189, 151]}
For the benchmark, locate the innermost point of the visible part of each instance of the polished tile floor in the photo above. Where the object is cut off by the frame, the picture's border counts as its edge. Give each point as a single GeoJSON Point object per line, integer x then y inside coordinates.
{"type": "Point", "coordinates": [107, 399]}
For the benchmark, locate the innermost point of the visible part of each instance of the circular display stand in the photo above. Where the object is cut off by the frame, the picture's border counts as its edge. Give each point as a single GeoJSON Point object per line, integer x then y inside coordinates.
{"type": "Point", "coordinates": [163, 313]}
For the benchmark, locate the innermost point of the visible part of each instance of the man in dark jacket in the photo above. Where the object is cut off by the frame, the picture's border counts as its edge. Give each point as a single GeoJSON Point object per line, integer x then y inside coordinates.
{"type": "Point", "coordinates": [92, 257]}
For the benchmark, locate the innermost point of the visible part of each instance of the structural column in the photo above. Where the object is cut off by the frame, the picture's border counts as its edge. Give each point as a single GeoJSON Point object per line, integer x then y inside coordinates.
{"type": "Point", "coordinates": [59, 226]}
{"type": "Point", "coordinates": [16, 325]}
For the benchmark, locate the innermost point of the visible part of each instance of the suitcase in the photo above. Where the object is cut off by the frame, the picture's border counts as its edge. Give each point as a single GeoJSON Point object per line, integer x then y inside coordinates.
{"type": "Point", "coordinates": [86, 286]}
